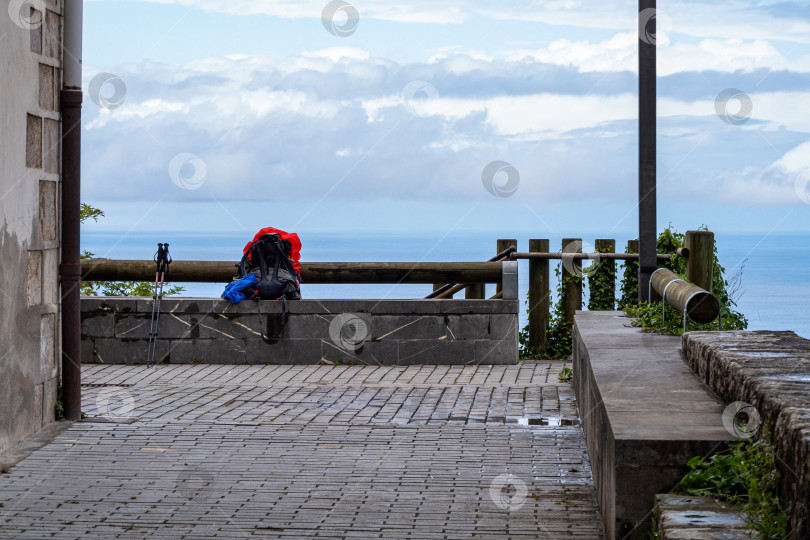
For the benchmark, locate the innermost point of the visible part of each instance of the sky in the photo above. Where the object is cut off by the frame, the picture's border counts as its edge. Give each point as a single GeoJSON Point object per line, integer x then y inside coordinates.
{"type": "Point", "coordinates": [518, 117]}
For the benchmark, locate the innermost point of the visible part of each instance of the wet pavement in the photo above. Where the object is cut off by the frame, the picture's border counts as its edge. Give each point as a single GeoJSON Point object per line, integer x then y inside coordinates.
{"type": "Point", "coordinates": [311, 451]}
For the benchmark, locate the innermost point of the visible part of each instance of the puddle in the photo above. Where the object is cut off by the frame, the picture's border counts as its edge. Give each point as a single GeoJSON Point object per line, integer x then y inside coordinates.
{"type": "Point", "coordinates": [707, 518]}
{"type": "Point", "coordinates": [798, 377]}
{"type": "Point", "coordinates": [553, 422]}
{"type": "Point", "coordinates": [764, 354]}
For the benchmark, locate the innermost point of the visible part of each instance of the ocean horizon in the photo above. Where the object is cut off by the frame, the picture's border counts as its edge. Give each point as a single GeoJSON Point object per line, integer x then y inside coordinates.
{"type": "Point", "coordinates": [773, 288]}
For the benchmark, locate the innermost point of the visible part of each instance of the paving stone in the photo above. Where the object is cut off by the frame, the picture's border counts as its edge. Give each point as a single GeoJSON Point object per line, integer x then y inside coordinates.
{"type": "Point", "coordinates": [303, 451]}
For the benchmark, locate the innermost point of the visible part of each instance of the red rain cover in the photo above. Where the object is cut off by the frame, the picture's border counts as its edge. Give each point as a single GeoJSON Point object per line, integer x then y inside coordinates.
{"type": "Point", "coordinates": [295, 242]}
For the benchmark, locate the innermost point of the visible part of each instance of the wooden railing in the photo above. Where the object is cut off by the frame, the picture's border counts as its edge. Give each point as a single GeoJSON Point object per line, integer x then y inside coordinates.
{"type": "Point", "coordinates": [311, 272]}
{"type": "Point", "coordinates": [448, 278]}
{"type": "Point", "coordinates": [699, 271]}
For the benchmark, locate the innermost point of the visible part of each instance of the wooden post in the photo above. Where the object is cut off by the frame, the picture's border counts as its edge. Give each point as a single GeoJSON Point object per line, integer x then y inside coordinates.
{"type": "Point", "coordinates": [700, 264]}
{"type": "Point", "coordinates": [539, 294]}
{"type": "Point", "coordinates": [571, 280]}
{"type": "Point", "coordinates": [606, 272]}
{"type": "Point", "coordinates": [476, 291]}
{"type": "Point", "coordinates": [503, 244]}
{"type": "Point", "coordinates": [647, 224]}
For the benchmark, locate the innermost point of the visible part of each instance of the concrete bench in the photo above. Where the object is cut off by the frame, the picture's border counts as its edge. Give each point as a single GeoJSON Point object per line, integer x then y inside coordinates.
{"type": "Point", "coordinates": [645, 414]}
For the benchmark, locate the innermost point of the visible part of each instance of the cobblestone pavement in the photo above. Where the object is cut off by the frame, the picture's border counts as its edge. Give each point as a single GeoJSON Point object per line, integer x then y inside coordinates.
{"type": "Point", "coordinates": [311, 451]}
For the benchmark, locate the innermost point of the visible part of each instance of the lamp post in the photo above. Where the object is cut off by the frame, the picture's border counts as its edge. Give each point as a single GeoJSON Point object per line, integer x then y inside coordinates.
{"type": "Point", "coordinates": [647, 230]}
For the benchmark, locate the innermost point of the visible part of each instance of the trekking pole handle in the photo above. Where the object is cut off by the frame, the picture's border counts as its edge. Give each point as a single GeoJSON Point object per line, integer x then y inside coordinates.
{"type": "Point", "coordinates": [162, 258]}
{"type": "Point", "coordinates": [158, 258]}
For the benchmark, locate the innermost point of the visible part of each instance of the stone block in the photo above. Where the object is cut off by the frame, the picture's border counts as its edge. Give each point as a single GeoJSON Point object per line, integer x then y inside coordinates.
{"type": "Point", "coordinates": [284, 351]}
{"type": "Point", "coordinates": [408, 327]}
{"type": "Point", "coordinates": [46, 87]}
{"type": "Point", "coordinates": [397, 307]}
{"type": "Point", "coordinates": [52, 134]}
{"type": "Point", "coordinates": [52, 35]}
{"type": "Point", "coordinates": [699, 518]}
{"type": "Point", "coordinates": [126, 351]}
{"type": "Point", "coordinates": [35, 34]}
{"type": "Point", "coordinates": [207, 351]}
{"type": "Point", "coordinates": [468, 326]}
{"type": "Point", "coordinates": [49, 402]}
{"type": "Point", "coordinates": [432, 351]}
{"type": "Point", "coordinates": [488, 351]}
{"type": "Point", "coordinates": [48, 221]}
{"type": "Point", "coordinates": [463, 307]}
{"type": "Point", "coordinates": [98, 324]}
{"type": "Point", "coordinates": [33, 287]}
{"type": "Point", "coordinates": [169, 325]}
{"type": "Point", "coordinates": [230, 326]}
{"type": "Point", "coordinates": [36, 405]}
{"type": "Point", "coordinates": [33, 142]}
{"type": "Point", "coordinates": [47, 343]}
{"type": "Point", "coordinates": [372, 353]}
{"type": "Point", "coordinates": [310, 326]}
{"type": "Point", "coordinates": [50, 276]}
{"type": "Point", "coordinates": [503, 327]}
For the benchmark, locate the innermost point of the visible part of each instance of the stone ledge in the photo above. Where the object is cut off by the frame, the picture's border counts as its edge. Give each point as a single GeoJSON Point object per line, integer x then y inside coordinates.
{"type": "Point", "coordinates": [206, 330]}
{"type": "Point", "coordinates": [771, 371]}
{"type": "Point", "coordinates": [684, 517]}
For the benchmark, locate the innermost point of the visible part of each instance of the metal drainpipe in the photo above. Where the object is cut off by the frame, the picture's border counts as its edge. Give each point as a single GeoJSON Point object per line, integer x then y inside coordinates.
{"type": "Point", "coordinates": [70, 267]}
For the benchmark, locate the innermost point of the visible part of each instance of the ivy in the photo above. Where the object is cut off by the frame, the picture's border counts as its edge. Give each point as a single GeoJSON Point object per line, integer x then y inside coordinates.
{"type": "Point", "coordinates": [602, 285]}
{"type": "Point", "coordinates": [600, 282]}
{"type": "Point", "coordinates": [745, 474]}
{"type": "Point", "coordinates": [559, 332]}
{"type": "Point", "coordinates": [651, 316]}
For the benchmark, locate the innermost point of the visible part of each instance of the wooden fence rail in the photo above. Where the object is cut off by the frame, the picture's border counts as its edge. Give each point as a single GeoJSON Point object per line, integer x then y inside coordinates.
{"type": "Point", "coordinates": [699, 272]}
{"type": "Point", "coordinates": [311, 272]}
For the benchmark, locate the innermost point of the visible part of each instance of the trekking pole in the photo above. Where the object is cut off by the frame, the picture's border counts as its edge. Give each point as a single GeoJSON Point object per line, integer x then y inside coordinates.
{"type": "Point", "coordinates": [162, 261]}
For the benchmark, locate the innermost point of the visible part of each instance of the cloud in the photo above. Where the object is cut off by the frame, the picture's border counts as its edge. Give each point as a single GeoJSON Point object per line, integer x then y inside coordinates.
{"type": "Point", "coordinates": [336, 125]}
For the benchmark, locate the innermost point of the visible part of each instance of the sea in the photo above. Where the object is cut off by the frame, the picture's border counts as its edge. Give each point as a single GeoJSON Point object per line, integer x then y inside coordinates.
{"type": "Point", "coordinates": [770, 273]}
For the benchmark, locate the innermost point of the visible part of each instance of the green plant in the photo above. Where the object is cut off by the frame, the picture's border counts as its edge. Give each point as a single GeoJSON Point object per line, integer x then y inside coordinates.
{"type": "Point", "coordinates": [565, 375]}
{"type": "Point", "coordinates": [602, 285]}
{"type": "Point", "coordinates": [117, 288]}
{"type": "Point", "coordinates": [59, 407]}
{"type": "Point", "coordinates": [628, 292]}
{"type": "Point", "coordinates": [745, 473]}
{"type": "Point", "coordinates": [650, 316]}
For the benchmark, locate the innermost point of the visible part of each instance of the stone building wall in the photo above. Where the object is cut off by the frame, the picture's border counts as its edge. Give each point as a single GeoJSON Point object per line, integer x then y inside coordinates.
{"type": "Point", "coordinates": [30, 80]}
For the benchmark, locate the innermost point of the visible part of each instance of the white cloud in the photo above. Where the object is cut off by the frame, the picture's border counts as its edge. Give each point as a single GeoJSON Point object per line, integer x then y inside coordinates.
{"type": "Point", "coordinates": [620, 53]}
{"type": "Point", "coordinates": [342, 129]}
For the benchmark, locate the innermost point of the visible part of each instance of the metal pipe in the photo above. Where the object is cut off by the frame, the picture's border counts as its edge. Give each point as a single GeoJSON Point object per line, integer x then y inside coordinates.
{"type": "Point", "coordinates": [72, 49]}
{"type": "Point", "coordinates": [682, 252]}
{"type": "Point", "coordinates": [314, 272]}
{"type": "Point", "coordinates": [447, 291]}
{"type": "Point", "coordinates": [70, 264]}
{"type": "Point", "coordinates": [699, 304]}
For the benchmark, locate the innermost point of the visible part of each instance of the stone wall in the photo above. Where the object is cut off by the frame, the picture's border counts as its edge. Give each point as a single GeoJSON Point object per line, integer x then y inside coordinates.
{"type": "Point", "coordinates": [771, 372]}
{"type": "Point", "coordinates": [378, 332]}
{"type": "Point", "coordinates": [30, 80]}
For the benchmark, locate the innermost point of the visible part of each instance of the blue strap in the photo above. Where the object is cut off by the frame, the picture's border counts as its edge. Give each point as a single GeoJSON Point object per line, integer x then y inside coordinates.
{"type": "Point", "coordinates": [233, 291]}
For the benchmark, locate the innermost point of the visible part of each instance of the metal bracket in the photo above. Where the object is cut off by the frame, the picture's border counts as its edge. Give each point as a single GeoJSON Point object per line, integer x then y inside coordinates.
{"type": "Point", "coordinates": [664, 299]}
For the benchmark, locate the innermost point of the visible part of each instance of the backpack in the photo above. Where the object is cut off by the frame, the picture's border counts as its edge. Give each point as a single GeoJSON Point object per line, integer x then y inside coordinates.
{"type": "Point", "coordinates": [276, 277]}
{"type": "Point", "coordinates": [269, 270]}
